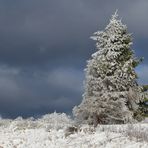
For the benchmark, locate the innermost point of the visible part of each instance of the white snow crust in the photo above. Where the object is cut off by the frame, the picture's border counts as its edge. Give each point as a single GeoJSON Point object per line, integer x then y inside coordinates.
{"type": "Point", "coordinates": [50, 132]}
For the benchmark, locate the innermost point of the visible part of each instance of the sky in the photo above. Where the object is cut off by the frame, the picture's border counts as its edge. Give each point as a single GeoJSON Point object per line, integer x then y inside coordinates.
{"type": "Point", "coordinates": [44, 46]}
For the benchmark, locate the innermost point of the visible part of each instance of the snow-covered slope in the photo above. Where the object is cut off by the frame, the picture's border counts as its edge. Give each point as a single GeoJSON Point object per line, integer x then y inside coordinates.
{"type": "Point", "coordinates": [50, 131]}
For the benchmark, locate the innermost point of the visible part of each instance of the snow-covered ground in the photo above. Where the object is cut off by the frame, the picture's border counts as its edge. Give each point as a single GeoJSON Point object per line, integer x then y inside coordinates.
{"type": "Point", "coordinates": [51, 131]}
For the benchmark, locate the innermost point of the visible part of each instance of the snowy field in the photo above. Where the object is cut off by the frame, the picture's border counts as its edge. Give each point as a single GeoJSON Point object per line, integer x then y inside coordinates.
{"type": "Point", "coordinates": [51, 131]}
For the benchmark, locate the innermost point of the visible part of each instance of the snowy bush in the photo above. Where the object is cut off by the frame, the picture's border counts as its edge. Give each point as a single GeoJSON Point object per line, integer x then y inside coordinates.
{"type": "Point", "coordinates": [21, 124]}
{"type": "Point", "coordinates": [5, 123]}
{"type": "Point", "coordinates": [56, 121]}
{"type": "Point", "coordinates": [49, 122]}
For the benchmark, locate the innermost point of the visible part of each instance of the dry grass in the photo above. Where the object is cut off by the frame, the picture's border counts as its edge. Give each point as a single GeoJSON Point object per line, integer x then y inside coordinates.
{"type": "Point", "coordinates": [137, 133]}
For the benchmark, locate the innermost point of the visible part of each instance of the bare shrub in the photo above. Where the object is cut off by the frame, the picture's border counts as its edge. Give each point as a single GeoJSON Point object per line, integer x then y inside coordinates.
{"type": "Point", "coordinates": [71, 130]}
{"type": "Point", "coordinates": [83, 128]}
{"type": "Point", "coordinates": [87, 128]}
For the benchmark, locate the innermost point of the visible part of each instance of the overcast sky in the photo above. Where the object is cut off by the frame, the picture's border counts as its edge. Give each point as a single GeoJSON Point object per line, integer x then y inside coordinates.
{"type": "Point", "coordinates": [44, 45]}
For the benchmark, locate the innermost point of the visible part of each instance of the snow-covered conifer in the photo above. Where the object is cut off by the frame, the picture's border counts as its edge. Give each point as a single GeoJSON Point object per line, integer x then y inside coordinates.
{"type": "Point", "coordinates": [111, 91]}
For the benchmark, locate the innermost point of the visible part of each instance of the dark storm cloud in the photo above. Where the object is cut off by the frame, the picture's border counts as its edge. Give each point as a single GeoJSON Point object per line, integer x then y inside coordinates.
{"type": "Point", "coordinates": [44, 45]}
{"type": "Point", "coordinates": [25, 94]}
{"type": "Point", "coordinates": [35, 32]}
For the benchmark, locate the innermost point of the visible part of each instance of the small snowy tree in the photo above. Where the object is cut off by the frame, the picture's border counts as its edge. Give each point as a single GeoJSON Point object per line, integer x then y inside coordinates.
{"type": "Point", "coordinates": [111, 94]}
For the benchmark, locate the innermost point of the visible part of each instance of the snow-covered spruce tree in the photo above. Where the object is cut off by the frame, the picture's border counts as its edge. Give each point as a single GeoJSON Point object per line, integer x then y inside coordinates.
{"type": "Point", "coordinates": [111, 93]}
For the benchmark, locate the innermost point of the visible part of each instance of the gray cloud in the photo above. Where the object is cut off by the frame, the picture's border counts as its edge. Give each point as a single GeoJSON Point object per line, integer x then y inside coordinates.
{"type": "Point", "coordinates": [68, 78]}
{"type": "Point", "coordinates": [24, 94]}
{"type": "Point", "coordinates": [60, 27]}
{"type": "Point", "coordinates": [44, 46]}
